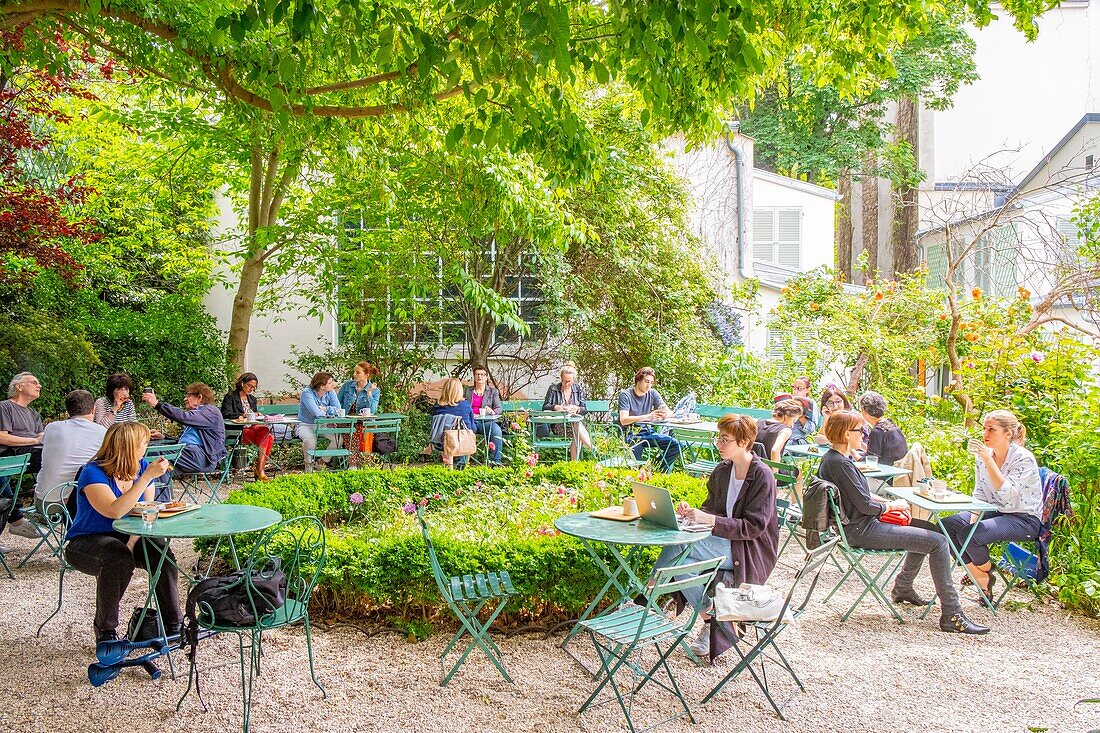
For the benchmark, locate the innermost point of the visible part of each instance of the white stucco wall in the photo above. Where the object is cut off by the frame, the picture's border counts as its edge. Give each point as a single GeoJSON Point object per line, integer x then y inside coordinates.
{"type": "Point", "coordinates": [818, 213]}
{"type": "Point", "coordinates": [1029, 95]}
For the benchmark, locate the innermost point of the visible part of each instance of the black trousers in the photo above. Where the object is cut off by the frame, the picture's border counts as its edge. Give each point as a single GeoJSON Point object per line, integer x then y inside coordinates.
{"type": "Point", "coordinates": [107, 558]}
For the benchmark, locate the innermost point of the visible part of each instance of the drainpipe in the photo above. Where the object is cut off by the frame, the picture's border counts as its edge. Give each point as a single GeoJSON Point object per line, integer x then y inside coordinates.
{"type": "Point", "coordinates": [738, 166]}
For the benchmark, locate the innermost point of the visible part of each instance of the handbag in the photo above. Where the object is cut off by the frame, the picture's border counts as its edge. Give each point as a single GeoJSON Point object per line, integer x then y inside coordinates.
{"type": "Point", "coordinates": [900, 517]}
{"type": "Point", "coordinates": [748, 603]}
{"type": "Point", "coordinates": [460, 440]}
{"type": "Point", "coordinates": [150, 625]}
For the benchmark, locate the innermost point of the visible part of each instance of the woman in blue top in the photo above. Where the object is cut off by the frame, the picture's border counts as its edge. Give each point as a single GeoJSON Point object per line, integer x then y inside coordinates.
{"type": "Point", "coordinates": [107, 489]}
{"type": "Point", "coordinates": [359, 395]}
{"type": "Point", "coordinates": [318, 400]}
{"type": "Point", "coordinates": [451, 403]}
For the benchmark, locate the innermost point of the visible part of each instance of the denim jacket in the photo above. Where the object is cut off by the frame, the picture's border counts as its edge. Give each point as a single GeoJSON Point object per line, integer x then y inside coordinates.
{"type": "Point", "coordinates": [312, 407]}
{"type": "Point", "coordinates": [365, 400]}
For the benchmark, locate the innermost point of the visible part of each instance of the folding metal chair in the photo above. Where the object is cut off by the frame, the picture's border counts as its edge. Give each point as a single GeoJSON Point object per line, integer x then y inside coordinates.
{"type": "Point", "coordinates": [698, 456]}
{"type": "Point", "coordinates": [12, 469]}
{"type": "Point", "coordinates": [334, 428]}
{"type": "Point", "coordinates": [55, 515]}
{"type": "Point", "coordinates": [874, 581]}
{"type": "Point", "coordinates": [467, 595]}
{"type": "Point", "coordinates": [53, 532]}
{"type": "Point", "coordinates": [621, 635]}
{"type": "Point", "coordinates": [203, 487]}
{"type": "Point", "coordinates": [763, 648]}
{"type": "Point", "coordinates": [547, 419]}
{"type": "Point", "coordinates": [171, 452]}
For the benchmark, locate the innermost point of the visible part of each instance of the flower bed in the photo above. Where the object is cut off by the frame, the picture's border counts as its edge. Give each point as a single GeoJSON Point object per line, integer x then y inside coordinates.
{"type": "Point", "coordinates": [481, 519]}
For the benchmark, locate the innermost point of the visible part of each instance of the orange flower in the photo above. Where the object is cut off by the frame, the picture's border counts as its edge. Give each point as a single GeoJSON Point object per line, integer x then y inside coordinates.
{"type": "Point", "coordinates": [878, 295]}
{"type": "Point", "coordinates": [977, 293]}
{"type": "Point", "coordinates": [943, 316]}
{"type": "Point", "coordinates": [1024, 293]}
{"type": "Point", "coordinates": [815, 306]}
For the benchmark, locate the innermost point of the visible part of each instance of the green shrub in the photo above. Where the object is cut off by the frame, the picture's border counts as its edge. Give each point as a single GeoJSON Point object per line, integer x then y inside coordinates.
{"type": "Point", "coordinates": [481, 519]}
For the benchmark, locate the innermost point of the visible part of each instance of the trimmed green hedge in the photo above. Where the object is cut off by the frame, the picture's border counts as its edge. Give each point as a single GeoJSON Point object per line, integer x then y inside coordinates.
{"type": "Point", "coordinates": [481, 519]}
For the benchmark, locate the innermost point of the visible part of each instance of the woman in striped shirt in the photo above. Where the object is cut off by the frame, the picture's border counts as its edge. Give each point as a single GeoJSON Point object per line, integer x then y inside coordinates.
{"type": "Point", "coordinates": [117, 405]}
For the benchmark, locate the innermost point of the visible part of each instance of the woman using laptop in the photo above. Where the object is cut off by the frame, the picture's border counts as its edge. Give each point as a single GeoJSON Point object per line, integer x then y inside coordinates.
{"type": "Point", "coordinates": [740, 509]}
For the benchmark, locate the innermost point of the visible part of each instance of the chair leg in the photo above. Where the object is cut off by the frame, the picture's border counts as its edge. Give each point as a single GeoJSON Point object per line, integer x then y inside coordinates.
{"type": "Point", "coordinates": [60, 590]}
{"type": "Point", "coordinates": [247, 676]}
{"type": "Point", "coordinates": [479, 634]}
{"type": "Point", "coordinates": [309, 652]}
{"type": "Point", "coordinates": [4, 562]}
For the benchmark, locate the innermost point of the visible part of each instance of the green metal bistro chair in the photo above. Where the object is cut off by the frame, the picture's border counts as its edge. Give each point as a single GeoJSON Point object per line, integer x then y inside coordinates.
{"type": "Point", "coordinates": [12, 468]}
{"type": "Point", "coordinates": [467, 595]}
{"type": "Point", "coordinates": [698, 456]}
{"type": "Point", "coordinates": [621, 636]}
{"type": "Point", "coordinates": [548, 419]}
{"type": "Point", "coordinates": [874, 581]}
{"type": "Point", "coordinates": [762, 648]}
{"type": "Point", "coordinates": [297, 546]}
{"type": "Point", "coordinates": [336, 428]}
{"type": "Point", "coordinates": [385, 424]}
{"type": "Point", "coordinates": [56, 518]}
{"type": "Point", "coordinates": [170, 451]}
{"type": "Point", "coordinates": [203, 487]}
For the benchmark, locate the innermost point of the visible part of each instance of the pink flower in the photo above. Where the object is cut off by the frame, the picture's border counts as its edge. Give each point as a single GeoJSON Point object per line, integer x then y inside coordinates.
{"type": "Point", "coordinates": [492, 445]}
{"type": "Point", "coordinates": [573, 500]}
{"type": "Point", "coordinates": [515, 426]}
{"type": "Point", "coordinates": [1038, 356]}
{"type": "Point", "coordinates": [409, 508]}
{"type": "Point", "coordinates": [561, 490]}
{"type": "Point", "coordinates": [532, 459]}
{"type": "Point", "coordinates": [437, 496]}
{"type": "Point", "coordinates": [356, 499]}
{"type": "Point", "coordinates": [601, 485]}
{"type": "Point", "coordinates": [969, 365]}
{"type": "Point", "coordinates": [546, 530]}
{"type": "Point", "coordinates": [477, 484]}
{"type": "Point", "coordinates": [423, 502]}
{"type": "Point", "coordinates": [458, 492]}
{"type": "Point", "coordinates": [527, 474]}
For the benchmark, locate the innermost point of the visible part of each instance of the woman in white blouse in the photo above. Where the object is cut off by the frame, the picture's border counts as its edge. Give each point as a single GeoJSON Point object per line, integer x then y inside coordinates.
{"type": "Point", "coordinates": [1006, 475]}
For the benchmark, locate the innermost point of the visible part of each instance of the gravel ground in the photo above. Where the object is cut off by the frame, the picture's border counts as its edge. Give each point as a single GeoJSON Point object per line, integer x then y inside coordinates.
{"type": "Point", "coordinates": [867, 674]}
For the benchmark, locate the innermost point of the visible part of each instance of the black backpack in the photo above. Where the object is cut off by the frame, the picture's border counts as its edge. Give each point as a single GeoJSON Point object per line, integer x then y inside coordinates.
{"type": "Point", "coordinates": [226, 597]}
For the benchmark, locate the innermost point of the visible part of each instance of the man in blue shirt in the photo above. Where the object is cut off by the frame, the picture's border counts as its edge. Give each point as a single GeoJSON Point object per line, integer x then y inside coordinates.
{"type": "Point", "coordinates": [641, 405]}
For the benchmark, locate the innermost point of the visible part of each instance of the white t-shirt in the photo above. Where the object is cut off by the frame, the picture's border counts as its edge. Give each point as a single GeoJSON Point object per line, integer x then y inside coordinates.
{"type": "Point", "coordinates": [66, 446]}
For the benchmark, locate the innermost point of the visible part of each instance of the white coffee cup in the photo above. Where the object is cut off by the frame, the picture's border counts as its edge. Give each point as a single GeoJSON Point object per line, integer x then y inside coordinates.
{"type": "Point", "coordinates": [486, 411]}
{"type": "Point", "coordinates": [365, 412]}
{"type": "Point", "coordinates": [630, 506]}
{"type": "Point", "coordinates": [340, 412]}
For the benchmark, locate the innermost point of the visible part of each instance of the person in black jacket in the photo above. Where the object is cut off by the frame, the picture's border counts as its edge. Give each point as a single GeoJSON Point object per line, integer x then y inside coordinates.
{"type": "Point", "coordinates": [240, 404]}
{"type": "Point", "coordinates": [740, 506]}
{"type": "Point", "coordinates": [884, 439]}
{"type": "Point", "coordinates": [860, 512]}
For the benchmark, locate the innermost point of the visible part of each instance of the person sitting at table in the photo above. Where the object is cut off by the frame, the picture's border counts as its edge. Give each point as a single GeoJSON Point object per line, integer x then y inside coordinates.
{"type": "Point", "coordinates": [568, 396]}
{"type": "Point", "coordinates": [108, 488]}
{"type": "Point", "coordinates": [641, 405]}
{"type": "Point", "coordinates": [806, 425]}
{"type": "Point", "coordinates": [832, 400]}
{"type": "Point", "coordinates": [860, 513]}
{"type": "Point", "coordinates": [452, 404]}
{"type": "Point", "coordinates": [203, 435]}
{"type": "Point", "coordinates": [740, 507]}
{"type": "Point", "coordinates": [318, 400]}
{"type": "Point", "coordinates": [240, 403]}
{"type": "Point", "coordinates": [884, 438]}
{"type": "Point", "coordinates": [483, 396]}
{"type": "Point", "coordinates": [359, 396]}
{"type": "Point", "coordinates": [68, 444]}
{"type": "Point", "coordinates": [21, 430]}
{"type": "Point", "coordinates": [116, 405]}
{"type": "Point", "coordinates": [1006, 475]}
{"type": "Point", "coordinates": [774, 432]}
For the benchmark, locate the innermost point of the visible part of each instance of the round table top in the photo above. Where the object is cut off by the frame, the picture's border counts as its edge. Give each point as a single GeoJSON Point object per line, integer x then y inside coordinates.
{"type": "Point", "coordinates": [209, 520]}
{"type": "Point", "coordinates": [491, 417]}
{"type": "Point", "coordinates": [637, 532]}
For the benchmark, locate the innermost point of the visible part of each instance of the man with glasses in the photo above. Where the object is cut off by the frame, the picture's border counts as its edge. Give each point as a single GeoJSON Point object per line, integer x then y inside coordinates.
{"type": "Point", "coordinates": [203, 433]}
{"type": "Point", "coordinates": [20, 432]}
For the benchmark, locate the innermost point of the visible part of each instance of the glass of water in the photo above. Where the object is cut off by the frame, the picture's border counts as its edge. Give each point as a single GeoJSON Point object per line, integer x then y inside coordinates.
{"type": "Point", "coordinates": [871, 461]}
{"type": "Point", "coordinates": [149, 514]}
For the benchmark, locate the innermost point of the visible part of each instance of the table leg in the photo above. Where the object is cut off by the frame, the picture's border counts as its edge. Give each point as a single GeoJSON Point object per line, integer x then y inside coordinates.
{"type": "Point", "coordinates": [957, 552]}
{"type": "Point", "coordinates": [151, 595]}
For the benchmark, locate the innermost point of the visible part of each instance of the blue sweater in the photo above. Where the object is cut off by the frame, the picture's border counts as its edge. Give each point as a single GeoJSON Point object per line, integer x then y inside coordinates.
{"type": "Point", "coordinates": [88, 520]}
{"type": "Point", "coordinates": [209, 426]}
{"type": "Point", "coordinates": [312, 407]}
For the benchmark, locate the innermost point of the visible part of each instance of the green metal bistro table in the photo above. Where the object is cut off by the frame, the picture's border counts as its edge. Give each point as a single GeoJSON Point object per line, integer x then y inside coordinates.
{"type": "Point", "coordinates": [635, 535]}
{"type": "Point", "coordinates": [936, 508]}
{"type": "Point", "coordinates": [219, 521]}
{"type": "Point", "coordinates": [814, 452]}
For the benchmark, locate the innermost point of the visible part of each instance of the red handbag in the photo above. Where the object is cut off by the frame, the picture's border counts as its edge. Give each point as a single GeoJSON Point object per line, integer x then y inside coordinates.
{"type": "Point", "coordinates": [900, 517]}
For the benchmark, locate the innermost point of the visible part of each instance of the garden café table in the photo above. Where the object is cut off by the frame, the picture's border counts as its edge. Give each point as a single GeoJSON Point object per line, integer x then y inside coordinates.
{"type": "Point", "coordinates": [217, 521]}
{"type": "Point", "coordinates": [637, 534]}
{"type": "Point", "coordinates": [813, 452]}
{"type": "Point", "coordinates": [936, 508]}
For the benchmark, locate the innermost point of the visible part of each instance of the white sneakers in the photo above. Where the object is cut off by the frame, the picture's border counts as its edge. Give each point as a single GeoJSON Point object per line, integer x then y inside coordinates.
{"type": "Point", "coordinates": [700, 645]}
{"type": "Point", "coordinates": [24, 528]}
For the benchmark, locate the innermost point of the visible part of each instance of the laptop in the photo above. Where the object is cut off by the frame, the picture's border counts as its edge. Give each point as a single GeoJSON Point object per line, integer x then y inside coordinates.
{"type": "Point", "coordinates": [655, 505]}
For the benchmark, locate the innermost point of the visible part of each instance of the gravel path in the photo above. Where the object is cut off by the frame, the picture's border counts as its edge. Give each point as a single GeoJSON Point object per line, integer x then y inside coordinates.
{"type": "Point", "coordinates": [866, 674]}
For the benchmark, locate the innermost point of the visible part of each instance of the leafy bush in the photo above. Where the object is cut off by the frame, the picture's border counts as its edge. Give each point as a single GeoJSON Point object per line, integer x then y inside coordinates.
{"type": "Point", "coordinates": [481, 519]}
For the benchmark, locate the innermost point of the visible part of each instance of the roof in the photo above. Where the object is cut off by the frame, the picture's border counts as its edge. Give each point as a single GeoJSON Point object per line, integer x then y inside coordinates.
{"type": "Point", "coordinates": [803, 186]}
{"type": "Point", "coordinates": [1088, 119]}
{"type": "Point", "coordinates": [776, 277]}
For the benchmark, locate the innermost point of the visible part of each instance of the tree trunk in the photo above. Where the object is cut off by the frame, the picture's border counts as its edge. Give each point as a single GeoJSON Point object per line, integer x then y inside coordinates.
{"type": "Point", "coordinates": [857, 374]}
{"type": "Point", "coordinates": [870, 214]}
{"type": "Point", "coordinates": [844, 226]}
{"type": "Point", "coordinates": [266, 190]}
{"type": "Point", "coordinates": [904, 234]}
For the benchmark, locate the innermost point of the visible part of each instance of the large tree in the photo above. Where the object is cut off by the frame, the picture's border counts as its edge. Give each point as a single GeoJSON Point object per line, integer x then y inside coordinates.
{"type": "Point", "coordinates": [512, 63]}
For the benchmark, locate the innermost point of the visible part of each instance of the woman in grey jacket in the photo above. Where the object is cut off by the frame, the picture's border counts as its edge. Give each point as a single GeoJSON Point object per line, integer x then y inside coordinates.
{"type": "Point", "coordinates": [484, 399]}
{"type": "Point", "coordinates": [568, 396]}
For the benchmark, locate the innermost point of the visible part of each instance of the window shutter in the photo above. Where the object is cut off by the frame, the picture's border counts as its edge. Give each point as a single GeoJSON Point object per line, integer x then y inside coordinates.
{"type": "Point", "coordinates": [763, 235]}
{"type": "Point", "coordinates": [936, 260]}
{"type": "Point", "coordinates": [790, 238]}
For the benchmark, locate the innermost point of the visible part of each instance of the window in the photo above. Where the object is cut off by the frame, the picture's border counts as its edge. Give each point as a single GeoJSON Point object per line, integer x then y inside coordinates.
{"type": "Point", "coordinates": [1088, 162]}
{"type": "Point", "coordinates": [935, 258]}
{"type": "Point", "coordinates": [995, 258]}
{"type": "Point", "coordinates": [405, 295]}
{"type": "Point", "coordinates": [777, 236]}
{"type": "Point", "coordinates": [1068, 251]}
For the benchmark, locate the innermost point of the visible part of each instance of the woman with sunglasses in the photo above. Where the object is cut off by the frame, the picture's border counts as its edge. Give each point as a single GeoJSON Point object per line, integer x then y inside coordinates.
{"type": "Point", "coordinates": [740, 508]}
{"type": "Point", "coordinates": [860, 512]}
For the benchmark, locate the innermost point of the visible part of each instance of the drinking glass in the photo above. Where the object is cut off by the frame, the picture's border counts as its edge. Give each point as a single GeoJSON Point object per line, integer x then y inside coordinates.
{"type": "Point", "coordinates": [149, 515]}
{"type": "Point", "coordinates": [871, 460]}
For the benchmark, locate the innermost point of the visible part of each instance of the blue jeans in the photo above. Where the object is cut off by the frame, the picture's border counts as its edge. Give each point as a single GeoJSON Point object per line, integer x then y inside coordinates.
{"type": "Point", "coordinates": [994, 527]}
{"type": "Point", "coordinates": [707, 548]}
{"type": "Point", "coordinates": [490, 431]}
{"type": "Point", "coordinates": [668, 446]}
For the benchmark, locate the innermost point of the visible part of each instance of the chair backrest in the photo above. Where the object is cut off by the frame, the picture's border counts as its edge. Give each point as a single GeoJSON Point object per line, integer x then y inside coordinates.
{"type": "Point", "coordinates": [290, 410]}
{"type": "Point", "coordinates": [55, 510]}
{"type": "Point", "coordinates": [807, 577]}
{"type": "Point", "coordinates": [433, 558]}
{"type": "Point", "coordinates": [383, 424]}
{"type": "Point", "coordinates": [694, 436]}
{"type": "Point", "coordinates": [171, 451]}
{"type": "Point", "coordinates": [834, 509]}
{"type": "Point", "coordinates": [296, 546]}
{"type": "Point", "coordinates": [785, 473]}
{"type": "Point", "coordinates": [599, 407]}
{"type": "Point", "coordinates": [713, 412]}
{"type": "Point", "coordinates": [663, 581]}
{"type": "Point", "coordinates": [14, 465]}
{"type": "Point", "coordinates": [335, 425]}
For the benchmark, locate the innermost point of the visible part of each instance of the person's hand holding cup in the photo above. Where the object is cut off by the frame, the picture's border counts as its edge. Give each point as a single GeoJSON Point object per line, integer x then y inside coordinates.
{"type": "Point", "coordinates": [976, 447]}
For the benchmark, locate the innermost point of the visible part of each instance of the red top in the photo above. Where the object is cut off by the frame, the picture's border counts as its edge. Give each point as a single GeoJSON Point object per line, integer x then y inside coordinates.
{"type": "Point", "coordinates": [475, 402]}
